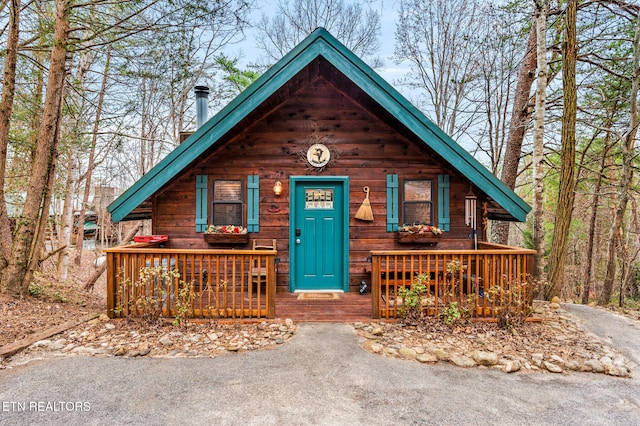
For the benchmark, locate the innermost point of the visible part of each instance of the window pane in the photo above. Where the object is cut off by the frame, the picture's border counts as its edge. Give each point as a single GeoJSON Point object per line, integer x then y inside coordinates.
{"type": "Point", "coordinates": [417, 190]}
{"type": "Point", "coordinates": [417, 213]}
{"type": "Point", "coordinates": [227, 214]}
{"type": "Point", "coordinates": [227, 190]}
{"type": "Point", "coordinates": [227, 203]}
{"type": "Point", "coordinates": [417, 202]}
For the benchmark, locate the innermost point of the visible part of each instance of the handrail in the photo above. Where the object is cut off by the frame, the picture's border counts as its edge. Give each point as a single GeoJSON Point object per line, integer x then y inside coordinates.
{"type": "Point", "coordinates": [220, 283]}
{"type": "Point", "coordinates": [482, 279]}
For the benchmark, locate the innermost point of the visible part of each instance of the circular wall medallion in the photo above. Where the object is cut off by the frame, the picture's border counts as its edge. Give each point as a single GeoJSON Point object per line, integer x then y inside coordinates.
{"type": "Point", "coordinates": [318, 155]}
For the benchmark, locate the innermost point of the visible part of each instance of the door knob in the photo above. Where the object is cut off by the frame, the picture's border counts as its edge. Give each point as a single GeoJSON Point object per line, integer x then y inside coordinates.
{"type": "Point", "coordinates": [297, 240]}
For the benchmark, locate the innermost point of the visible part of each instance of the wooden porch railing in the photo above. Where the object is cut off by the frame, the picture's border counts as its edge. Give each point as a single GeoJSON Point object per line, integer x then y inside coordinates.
{"type": "Point", "coordinates": [223, 283]}
{"type": "Point", "coordinates": [483, 279]}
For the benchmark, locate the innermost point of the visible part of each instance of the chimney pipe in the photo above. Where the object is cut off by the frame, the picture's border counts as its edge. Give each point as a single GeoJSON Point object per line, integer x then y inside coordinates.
{"type": "Point", "coordinates": [202, 104]}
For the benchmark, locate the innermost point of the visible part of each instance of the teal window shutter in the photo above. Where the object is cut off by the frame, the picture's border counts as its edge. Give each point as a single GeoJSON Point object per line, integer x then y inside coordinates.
{"type": "Point", "coordinates": [392, 203]}
{"type": "Point", "coordinates": [444, 222]}
{"type": "Point", "coordinates": [201, 203]}
{"type": "Point", "coordinates": [253, 203]}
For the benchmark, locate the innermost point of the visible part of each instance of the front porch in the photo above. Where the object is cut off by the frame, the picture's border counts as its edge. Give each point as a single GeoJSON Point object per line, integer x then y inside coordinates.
{"type": "Point", "coordinates": [241, 284]}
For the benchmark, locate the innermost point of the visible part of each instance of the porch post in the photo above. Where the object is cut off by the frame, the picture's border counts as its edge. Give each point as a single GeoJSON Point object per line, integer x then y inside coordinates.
{"type": "Point", "coordinates": [111, 285]}
{"type": "Point", "coordinates": [375, 286]}
{"type": "Point", "coordinates": [271, 286]}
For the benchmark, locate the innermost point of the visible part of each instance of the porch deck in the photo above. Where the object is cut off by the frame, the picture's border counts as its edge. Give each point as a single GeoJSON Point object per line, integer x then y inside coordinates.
{"type": "Point", "coordinates": [346, 307]}
{"type": "Point", "coordinates": [241, 284]}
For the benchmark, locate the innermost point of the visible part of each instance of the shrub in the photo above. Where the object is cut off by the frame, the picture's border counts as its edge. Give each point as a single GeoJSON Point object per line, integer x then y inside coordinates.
{"type": "Point", "coordinates": [412, 299]}
{"type": "Point", "coordinates": [36, 289]}
{"type": "Point", "coordinates": [514, 302]}
{"type": "Point", "coordinates": [146, 297]}
{"type": "Point", "coordinates": [457, 313]}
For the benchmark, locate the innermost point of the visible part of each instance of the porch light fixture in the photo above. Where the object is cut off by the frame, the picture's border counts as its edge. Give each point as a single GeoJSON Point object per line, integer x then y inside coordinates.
{"type": "Point", "coordinates": [470, 210]}
{"type": "Point", "coordinates": [277, 188]}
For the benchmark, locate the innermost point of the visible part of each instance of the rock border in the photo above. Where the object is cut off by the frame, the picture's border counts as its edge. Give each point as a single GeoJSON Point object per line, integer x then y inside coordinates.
{"type": "Point", "coordinates": [559, 344]}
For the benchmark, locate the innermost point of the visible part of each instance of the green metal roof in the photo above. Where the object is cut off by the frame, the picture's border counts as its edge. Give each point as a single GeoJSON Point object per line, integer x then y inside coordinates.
{"type": "Point", "coordinates": [318, 43]}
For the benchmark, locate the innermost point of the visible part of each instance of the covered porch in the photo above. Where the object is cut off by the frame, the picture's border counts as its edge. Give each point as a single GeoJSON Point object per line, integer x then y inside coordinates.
{"type": "Point", "coordinates": [241, 284]}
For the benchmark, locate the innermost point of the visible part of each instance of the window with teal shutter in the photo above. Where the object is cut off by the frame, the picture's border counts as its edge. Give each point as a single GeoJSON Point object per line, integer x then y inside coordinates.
{"type": "Point", "coordinates": [392, 203]}
{"type": "Point", "coordinates": [253, 203]}
{"type": "Point", "coordinates": [201, 203]}
{"type": "Point", "coordinates": [444, 222]}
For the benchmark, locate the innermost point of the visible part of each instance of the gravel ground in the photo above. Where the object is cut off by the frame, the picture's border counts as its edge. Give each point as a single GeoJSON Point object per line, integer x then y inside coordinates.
{"type": "Point", "coordinates": [321, 376]}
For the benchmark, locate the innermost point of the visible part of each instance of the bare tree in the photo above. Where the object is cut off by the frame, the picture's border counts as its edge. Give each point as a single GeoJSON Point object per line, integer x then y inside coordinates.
{"type": "Point", "coordinates": [541, 10]}
{"type": "Point", "coordinates": [627, 172]}
{"type": "Point", "coordinates": [355, 26]}
{"type": "Point", "coordinates": [520, 115]}
{"type": "Point", "coordinates": [437, 37]}
{"type": "Point", "coordinates": [91, 164]}
{"type": "Point", "coordinates": [502, 47]}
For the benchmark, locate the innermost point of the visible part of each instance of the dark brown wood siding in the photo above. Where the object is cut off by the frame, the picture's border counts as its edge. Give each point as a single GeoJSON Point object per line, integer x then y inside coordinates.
{"type": "Point", "coordinates": [368, 145]}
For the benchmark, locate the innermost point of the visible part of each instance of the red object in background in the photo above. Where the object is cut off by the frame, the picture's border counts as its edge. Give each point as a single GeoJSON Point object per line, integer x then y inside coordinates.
{"type": "Point", "coordinates": [150, 238]}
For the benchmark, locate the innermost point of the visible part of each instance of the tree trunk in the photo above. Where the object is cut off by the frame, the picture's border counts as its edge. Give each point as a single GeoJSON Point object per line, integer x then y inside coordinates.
{"type": "Point", "coordinates": [566, 194]}
{"type": "Point", "coordinates": [91, 165]}
{"type": "Point", "coordinates": [627, 173]}
{"type": "Point", "coordinates": [37, 247]}
{"type": "Point", "coordinates": [520, 116]}
{"type": "Point", "coordinates": [6, 107]}
{"type": "Point", "coordinates": [66, 225]}
{"type": "Point", "coordinates": [587, 279]}
{"type": "Point", "coordinates": [542, 9]}
{"type": "Point", "coordinates": [13, 278]}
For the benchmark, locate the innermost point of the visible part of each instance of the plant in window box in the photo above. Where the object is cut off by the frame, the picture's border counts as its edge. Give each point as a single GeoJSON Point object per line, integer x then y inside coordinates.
{"type": "Point", "coordinates": [418, 233]}
{"type": "Point", "coordinates": [226, 234]}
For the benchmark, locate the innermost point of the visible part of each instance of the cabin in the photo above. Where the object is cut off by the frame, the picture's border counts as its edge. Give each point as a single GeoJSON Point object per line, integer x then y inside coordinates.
{"type": "Point", "coordinates": [318, 193]}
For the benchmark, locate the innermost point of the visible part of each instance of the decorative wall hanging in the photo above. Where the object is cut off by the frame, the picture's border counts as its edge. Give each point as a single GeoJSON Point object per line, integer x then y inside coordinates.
{"type": "Point", "coordinates": [470, 211]}
{"type": "Point", "coordinates": [318, 153]}
{"type": "Point", "coordinates": [485, 212]}
{"type": "Point", "coordinates": [364, 211]}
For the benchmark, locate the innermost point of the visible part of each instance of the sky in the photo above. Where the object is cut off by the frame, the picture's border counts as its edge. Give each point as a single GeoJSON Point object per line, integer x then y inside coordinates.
{"type": "Point", "coordinates": [247, 50]}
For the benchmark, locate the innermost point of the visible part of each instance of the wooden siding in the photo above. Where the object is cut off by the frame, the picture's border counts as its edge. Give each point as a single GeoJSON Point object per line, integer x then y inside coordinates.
{"type": "Point", "coordinates": [367, 146]}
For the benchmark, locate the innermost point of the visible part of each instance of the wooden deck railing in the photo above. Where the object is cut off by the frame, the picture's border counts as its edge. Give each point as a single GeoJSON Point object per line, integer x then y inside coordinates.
{"type": "Point", "coordinates": [482, 279]}
{"type": "Point", "coordinates": [218, 283]}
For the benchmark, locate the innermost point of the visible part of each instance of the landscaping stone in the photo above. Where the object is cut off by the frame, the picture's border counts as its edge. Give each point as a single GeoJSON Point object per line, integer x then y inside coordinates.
{"type": "Point", "coordinates": [485, 358]}
{"type": "Point", "coordinates": [441, 355]}
{"type": "Point", "coordinates": [557, 360]}
{"type": "Point", "coordinates": [377, 348]}
{"type": "Point", "coordinates": [551, 367]}
{"type": "Point", "coordinates": [427, 358]}
{"type": "Point", "coordinates": [119, 351]}
{"type": "Point", "coordinates": [537, 359]}
{"type": "Point", "coordinates": [511, 366]}
{"type": "Point", "coordinates": [407, 352]}
{"type": "Point", "coordinates": [462, 361]}
{"type": "Point", "coordinates": [614, 370]}
{"type": "Point", "coordinates": [166, 340]}
{"type": "Point", "coordinates": [573, 365]}
{"type": "Point", "coordinates": [594, 365]}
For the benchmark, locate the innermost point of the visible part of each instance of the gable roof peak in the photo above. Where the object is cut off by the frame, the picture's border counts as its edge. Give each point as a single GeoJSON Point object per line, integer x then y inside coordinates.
{"type": "Point", "coordinates": [319, 43]}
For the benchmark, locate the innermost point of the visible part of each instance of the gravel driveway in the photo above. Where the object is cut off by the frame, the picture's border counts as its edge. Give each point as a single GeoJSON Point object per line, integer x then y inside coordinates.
{"type": "Point", "coordinates": [321, 377]}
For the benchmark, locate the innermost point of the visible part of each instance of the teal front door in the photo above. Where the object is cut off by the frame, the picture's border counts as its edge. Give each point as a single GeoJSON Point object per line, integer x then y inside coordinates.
{"type": "Point", "coordinates": [319, 237]}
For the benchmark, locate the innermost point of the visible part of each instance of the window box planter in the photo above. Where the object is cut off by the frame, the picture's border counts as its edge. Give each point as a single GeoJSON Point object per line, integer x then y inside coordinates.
{"type": "Point", "coordinates": [418, 238]}
{"type": "Point", "coordinates": [221, 238]}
